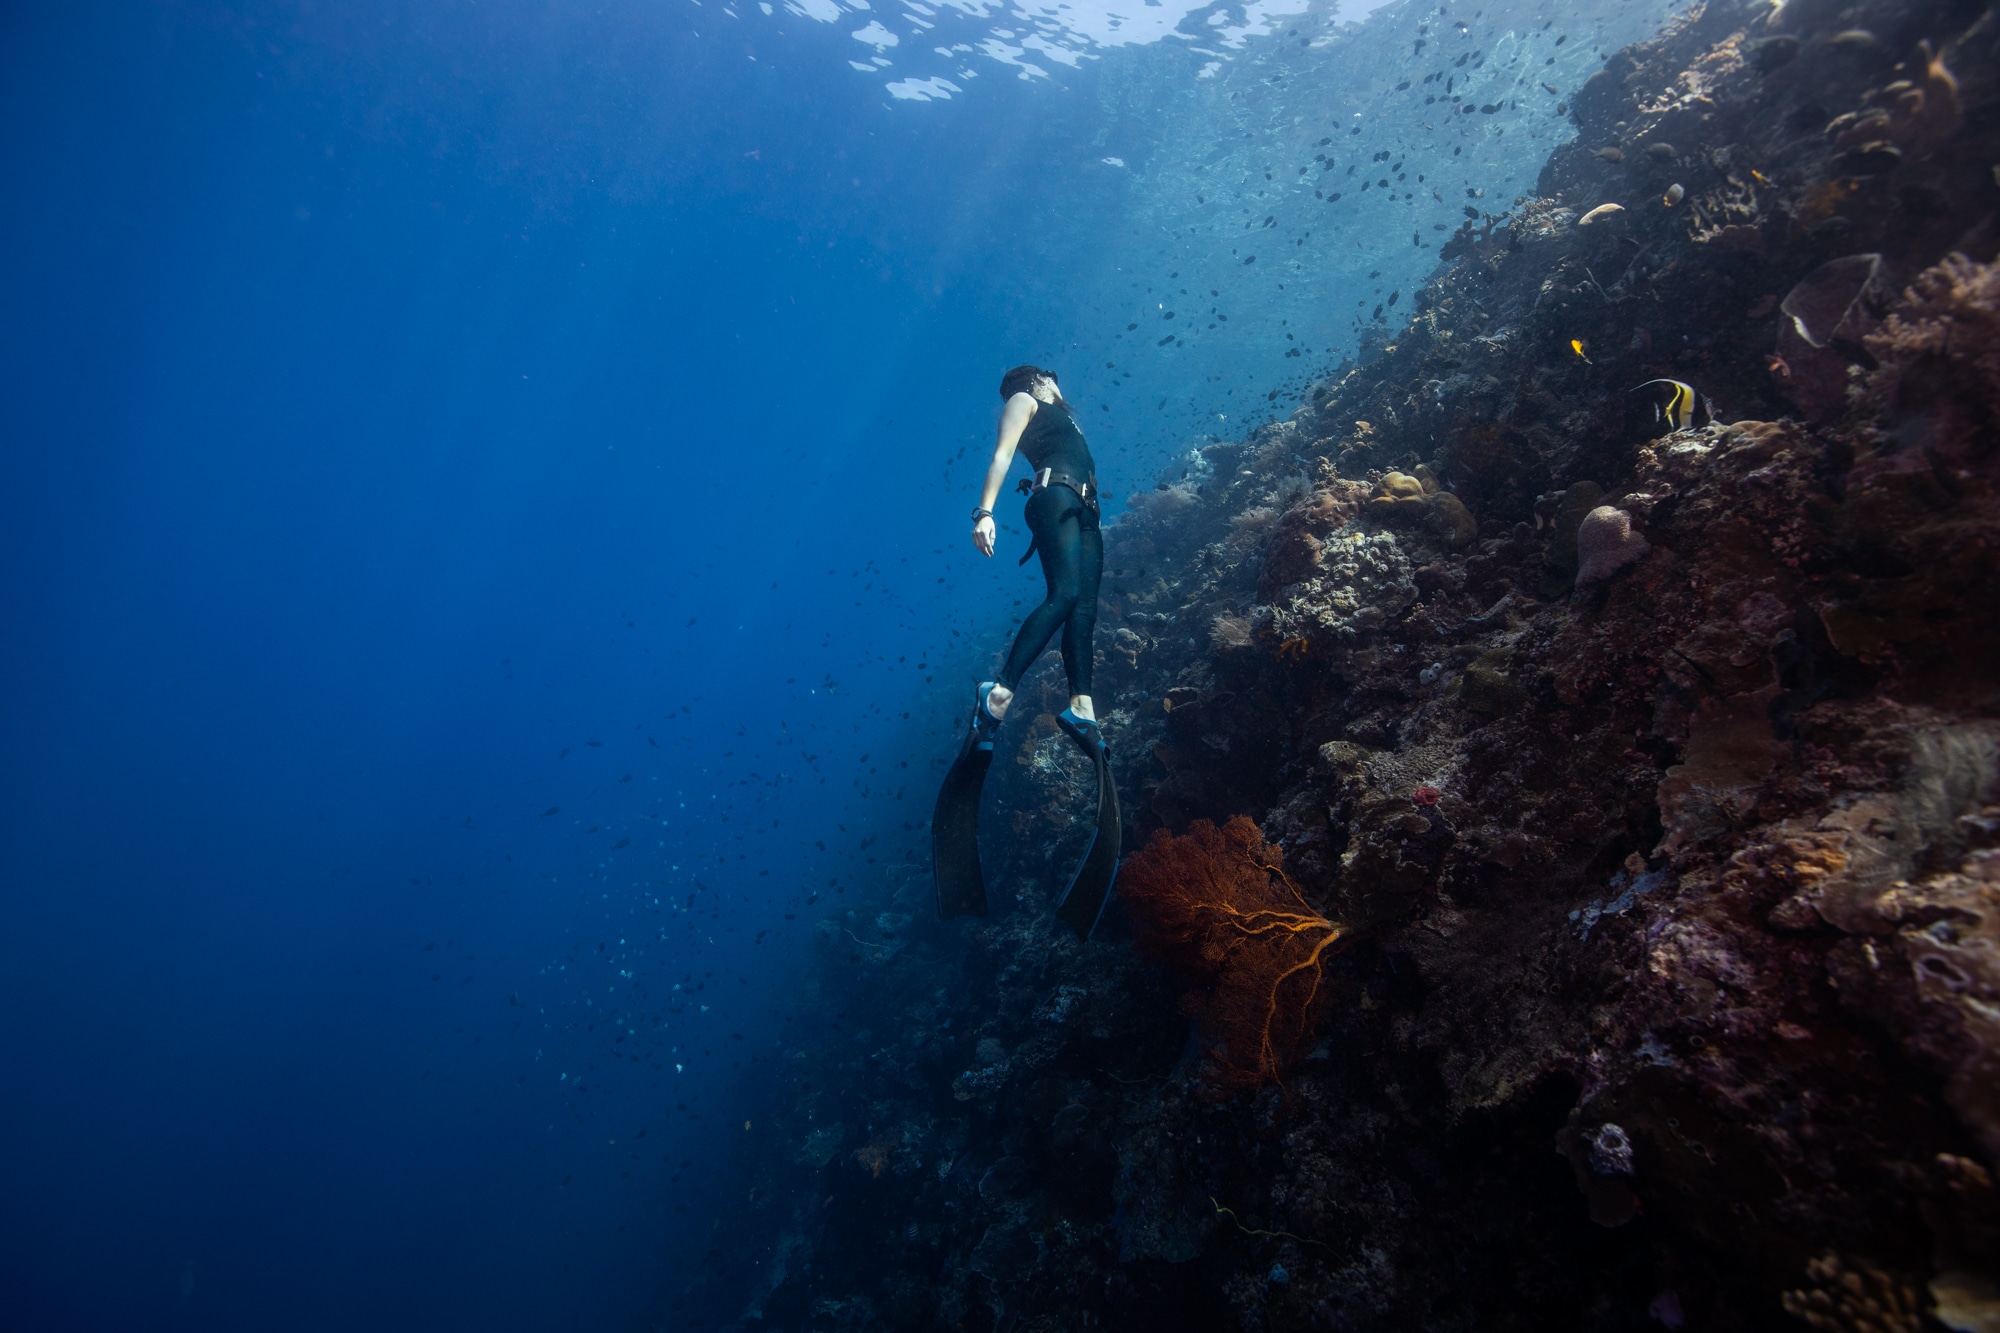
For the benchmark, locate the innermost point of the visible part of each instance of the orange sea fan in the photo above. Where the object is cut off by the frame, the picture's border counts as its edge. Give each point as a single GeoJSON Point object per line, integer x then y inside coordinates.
{"type": "Point", "coordinates": [1216, 906]}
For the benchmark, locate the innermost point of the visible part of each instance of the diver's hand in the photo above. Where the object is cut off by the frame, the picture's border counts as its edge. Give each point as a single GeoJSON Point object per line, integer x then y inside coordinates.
{"type": "Point", "coordinates": [983, 534]}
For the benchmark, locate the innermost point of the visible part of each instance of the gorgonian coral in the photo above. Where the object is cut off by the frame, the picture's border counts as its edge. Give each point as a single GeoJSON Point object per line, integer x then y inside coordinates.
{"type": "Point", "coordinates": [1216, 907]}
{"type": "Point", "coordinates": [1230, 631]}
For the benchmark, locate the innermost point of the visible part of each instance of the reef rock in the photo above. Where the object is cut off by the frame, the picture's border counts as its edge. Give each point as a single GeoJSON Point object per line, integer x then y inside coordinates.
{"type": "Point", "coordinates": [1666, 984]}
{"type": "Point", "coordinates": [1362, 580]}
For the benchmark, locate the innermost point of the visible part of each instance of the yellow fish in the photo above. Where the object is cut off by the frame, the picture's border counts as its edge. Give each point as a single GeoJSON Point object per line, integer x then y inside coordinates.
{"type": "Point", "coordinates": [1678, 404]}
{"type": "Point", "coordinates": [1576, 345]}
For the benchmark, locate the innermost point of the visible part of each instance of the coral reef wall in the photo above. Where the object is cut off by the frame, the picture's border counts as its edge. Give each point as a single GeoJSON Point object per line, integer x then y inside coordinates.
{"type": "Point", "coordinates": [1650, 763]}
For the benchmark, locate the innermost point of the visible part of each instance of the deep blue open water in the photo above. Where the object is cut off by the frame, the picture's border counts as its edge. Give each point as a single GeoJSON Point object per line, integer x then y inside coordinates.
{"type": "Point", "coordinates": [483, 497]}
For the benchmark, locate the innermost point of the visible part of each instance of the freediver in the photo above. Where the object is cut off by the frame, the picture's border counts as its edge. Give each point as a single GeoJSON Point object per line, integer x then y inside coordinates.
{"type": "Point", "coordinates": [1062, 516]}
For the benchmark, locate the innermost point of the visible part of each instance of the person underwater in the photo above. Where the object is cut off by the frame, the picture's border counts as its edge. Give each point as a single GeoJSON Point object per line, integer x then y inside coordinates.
{"type": "Point", "coordinates": [1062, 517]}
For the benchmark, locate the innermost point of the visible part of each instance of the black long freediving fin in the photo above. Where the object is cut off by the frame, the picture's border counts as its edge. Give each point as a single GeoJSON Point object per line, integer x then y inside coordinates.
{"type": "Point", "coordinates": [1082, 902]}
{"type": "Point", "coordinates": [961, 886]}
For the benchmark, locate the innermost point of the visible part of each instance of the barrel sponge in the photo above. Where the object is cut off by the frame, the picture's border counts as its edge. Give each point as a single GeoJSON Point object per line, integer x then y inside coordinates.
{"type": "Point", "coordinates": [1605, 544]}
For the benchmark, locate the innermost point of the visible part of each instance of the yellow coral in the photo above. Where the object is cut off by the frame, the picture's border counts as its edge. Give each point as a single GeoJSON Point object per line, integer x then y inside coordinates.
{"type": "Point", "coordinates": [1418, 494]}
{"type": "Point", "coordinates": [1397, 491]}
{"type": "Point", "coordinates": [1854, 1297]}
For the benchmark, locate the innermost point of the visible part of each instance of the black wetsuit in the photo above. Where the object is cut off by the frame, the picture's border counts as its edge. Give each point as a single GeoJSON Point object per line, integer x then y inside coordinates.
{"type": "Point", "coordinates": [1072, 549]}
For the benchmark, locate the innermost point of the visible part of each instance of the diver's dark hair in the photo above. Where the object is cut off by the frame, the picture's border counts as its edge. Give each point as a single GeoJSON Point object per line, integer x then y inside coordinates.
{"type": "Point", "coordinates": [1019, 379]}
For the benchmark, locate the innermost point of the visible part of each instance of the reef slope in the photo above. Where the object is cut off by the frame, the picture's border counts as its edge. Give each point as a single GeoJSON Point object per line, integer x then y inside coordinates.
{"type": "Point", "coordinates": [1652, 769]}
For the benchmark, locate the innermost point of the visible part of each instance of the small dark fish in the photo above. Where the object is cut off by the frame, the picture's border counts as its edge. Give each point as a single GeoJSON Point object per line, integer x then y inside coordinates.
{"type": "Point", "coordinates": [552, 810]}
{"type": "Point", "coordinates": [1610, 154]}
{"type": "Point", "coordinates": [1678, 404]}
{"type": "Point", "coordinates": [1770, 53]}
{"type": "Point", "coordinates": [1661, 152]}
{"type": "Point", "coordinates": [1870, 159]}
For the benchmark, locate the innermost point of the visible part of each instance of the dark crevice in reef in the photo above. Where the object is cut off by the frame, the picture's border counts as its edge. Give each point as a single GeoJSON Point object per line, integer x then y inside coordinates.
{"type": "Point", "coordinates": [1649, 775]}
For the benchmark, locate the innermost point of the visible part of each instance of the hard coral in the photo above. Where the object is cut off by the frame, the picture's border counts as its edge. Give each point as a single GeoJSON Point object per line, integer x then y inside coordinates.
{"type": "Point", "coordinates": [1417, 495]}
{"type": "Point", "coordinates": [1292, 554]}
{"type": "Point", "coordinates": [1362, 580]}
{"type": "Point", "coordinates": [1854, 1298]}
{"type": "Point", "coordinates": [1216, 906]}
{"type": "Point", "coordinates": [1397, 492]}
{"type": "Point", "coordinates": [1938, 354]}
{"type": "Point", "coordinates": [1605, 544]}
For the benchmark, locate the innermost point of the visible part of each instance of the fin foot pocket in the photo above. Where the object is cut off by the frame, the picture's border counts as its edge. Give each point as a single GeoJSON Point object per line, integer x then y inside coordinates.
{"type": "Point", "coordinates": [984, 723]}
{"type": "Point", "coordinates": [1083, 730]}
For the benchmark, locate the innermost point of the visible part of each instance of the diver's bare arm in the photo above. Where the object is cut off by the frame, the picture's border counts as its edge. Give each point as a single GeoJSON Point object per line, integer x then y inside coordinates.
{"type": "Point", "coordinates": [1013, 420]}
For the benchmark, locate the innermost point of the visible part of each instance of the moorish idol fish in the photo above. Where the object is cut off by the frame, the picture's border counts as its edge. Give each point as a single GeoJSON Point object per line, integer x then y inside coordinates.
{"type": "Point", "coordinates": [1678, 404]}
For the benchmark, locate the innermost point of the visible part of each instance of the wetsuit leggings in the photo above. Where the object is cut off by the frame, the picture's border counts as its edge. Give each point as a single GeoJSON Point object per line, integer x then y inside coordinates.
{"type": "Point", "coordinates": [1072, 550]}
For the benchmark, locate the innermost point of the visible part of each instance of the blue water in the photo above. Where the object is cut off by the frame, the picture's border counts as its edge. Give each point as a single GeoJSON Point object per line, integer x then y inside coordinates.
{"type": "Point", "coordinates": [483, 511]}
